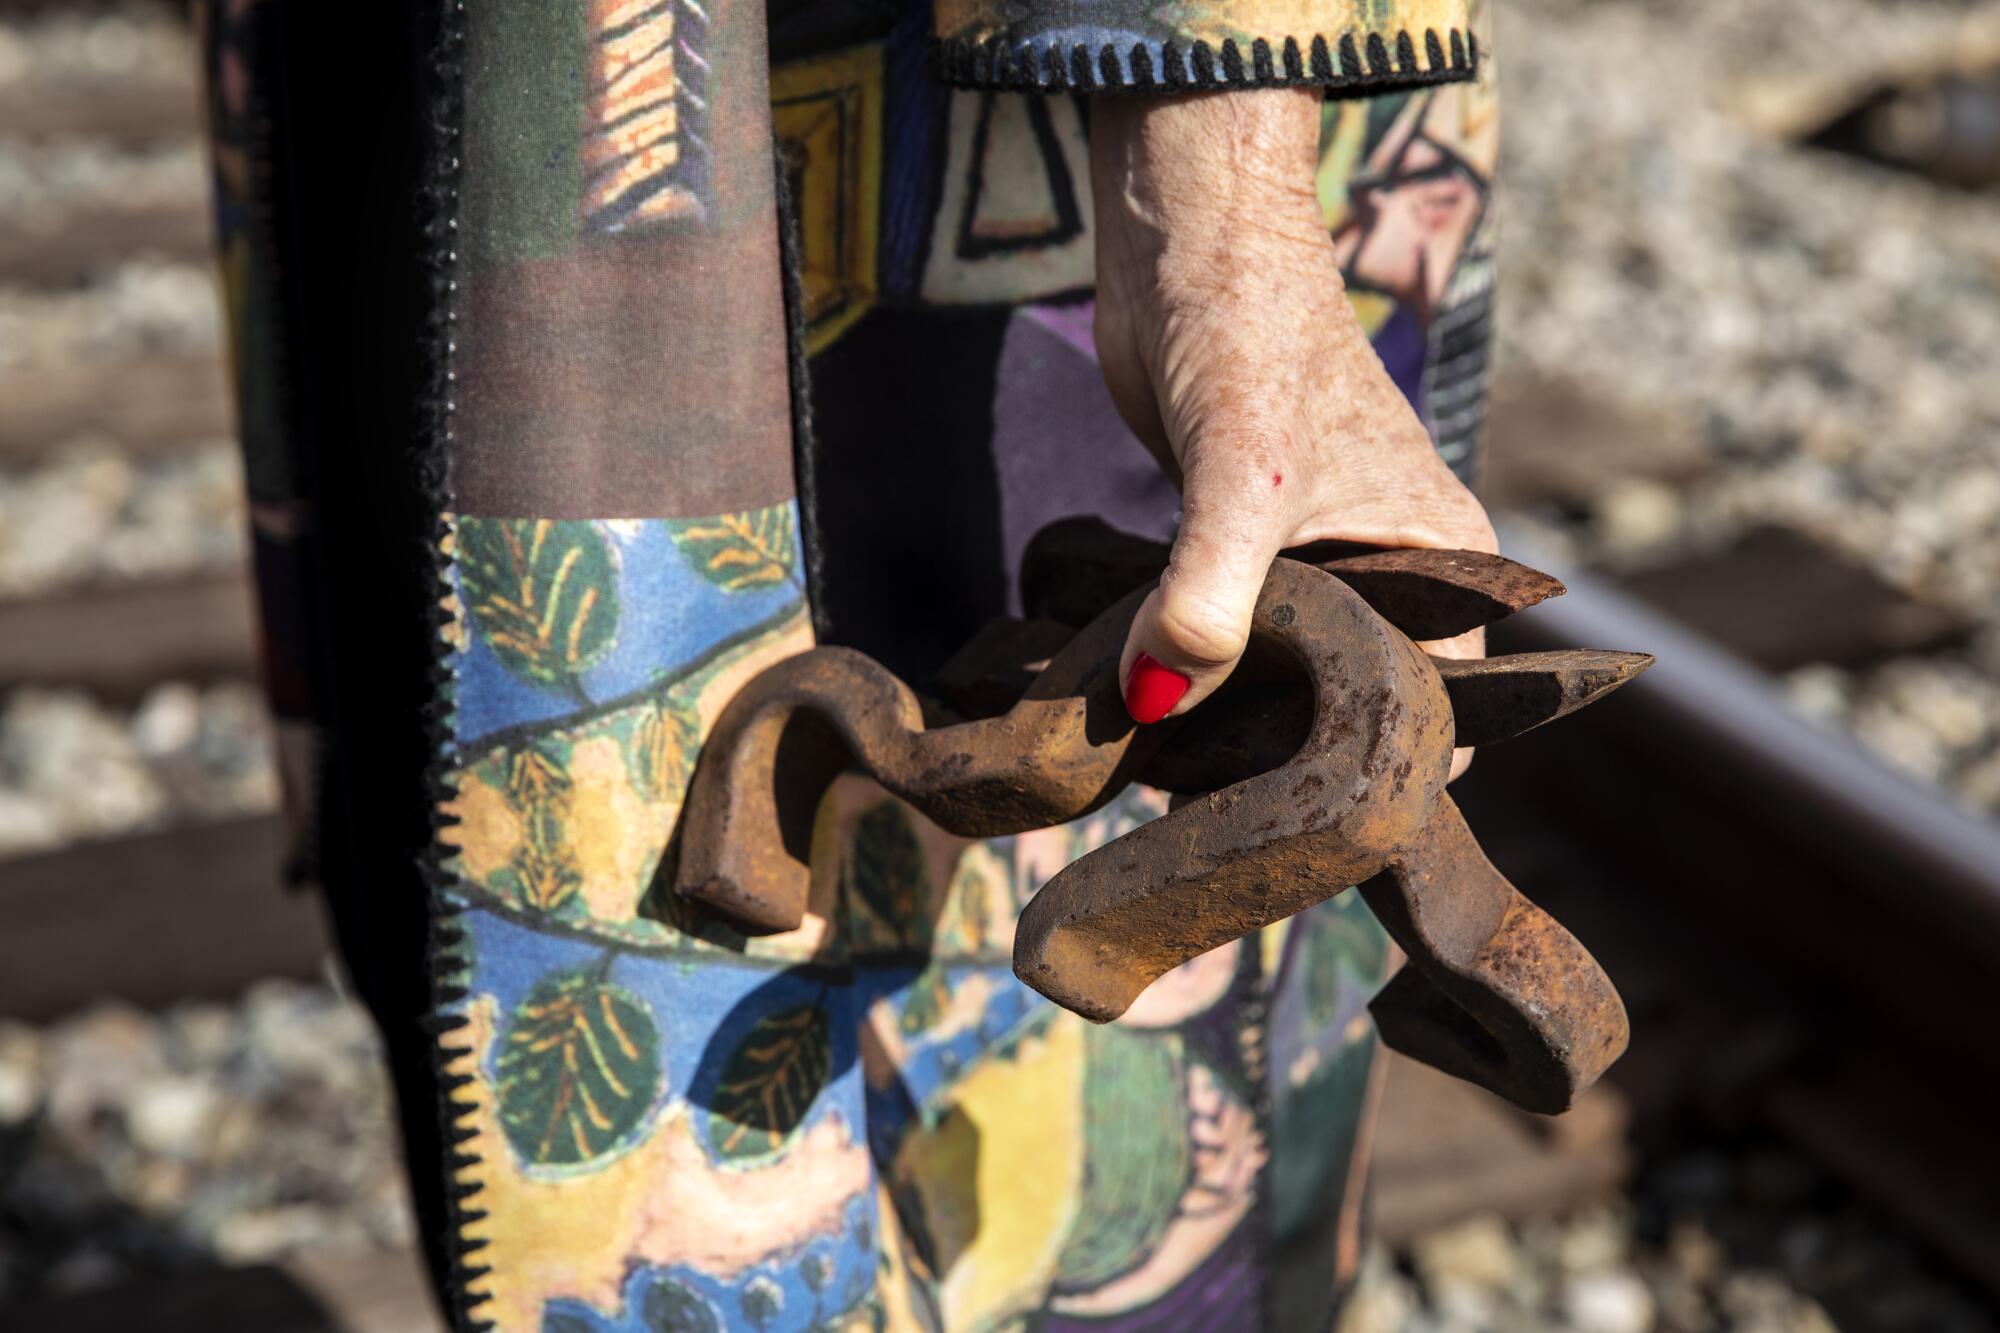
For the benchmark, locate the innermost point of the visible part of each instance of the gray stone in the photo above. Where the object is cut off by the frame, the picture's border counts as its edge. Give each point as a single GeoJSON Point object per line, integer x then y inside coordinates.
{"type": "Point", "coordinates": [21, 1073]}
{"type": "Point", "coordinates": [171, 1115]}
{"type": "Point", "coordinates": [1755, 1302]}
{"type": "Point", "coordinates": [1695, 1254]}
{"type": "Point", "coordinates": [1596, 1238]}
{"type": "Point", "coordinates": [1608, 1300]}
{"type": "Point", "coordinates": [1833, 326]}
{"type": "Point", "coordinates": [1478, 1252]}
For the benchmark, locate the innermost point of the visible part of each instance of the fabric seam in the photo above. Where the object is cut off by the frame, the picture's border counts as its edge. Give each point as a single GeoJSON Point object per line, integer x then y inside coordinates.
{"type": "Point", "coordinates": [1346, 64]}
{"type": "Point", "coordinates": [445, 956]}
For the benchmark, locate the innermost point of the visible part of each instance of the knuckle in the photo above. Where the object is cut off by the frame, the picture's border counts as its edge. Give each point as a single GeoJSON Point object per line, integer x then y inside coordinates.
{"type": "Point", "coordinates": [1445, 518]}
{"type": "Point", "coordinates": [1460, 518]}
{"type": "Point", "coordinates": [1473, 525]}
{"type": "Point", "coordinates": [1202, 628]}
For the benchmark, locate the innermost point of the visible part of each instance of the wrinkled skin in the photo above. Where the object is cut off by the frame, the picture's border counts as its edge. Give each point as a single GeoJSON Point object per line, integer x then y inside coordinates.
{"type": "Point", "coordinates": [1229, 347]}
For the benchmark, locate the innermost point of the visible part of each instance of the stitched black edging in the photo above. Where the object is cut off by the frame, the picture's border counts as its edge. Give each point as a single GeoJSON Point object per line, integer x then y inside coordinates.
{"type": "Point", "coordinates": [444, 954]}
{"type": "Point", "coordinates": [1346, 65]}
{"type": "Point", "coordinates": [805, 448]}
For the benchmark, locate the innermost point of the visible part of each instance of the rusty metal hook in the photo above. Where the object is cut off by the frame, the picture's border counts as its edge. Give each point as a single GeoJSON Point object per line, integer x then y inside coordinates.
{"type": "Point", "coordinates": [1359, 790]}
{"type": "Point", "coordinates": [1336, 784]}
{"type": "Point", "coordinates": [1063, 749]}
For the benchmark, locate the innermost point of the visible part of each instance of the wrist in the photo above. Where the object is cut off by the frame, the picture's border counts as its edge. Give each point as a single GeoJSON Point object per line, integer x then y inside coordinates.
{"type": "Point", "coordinates": [1193, 180]}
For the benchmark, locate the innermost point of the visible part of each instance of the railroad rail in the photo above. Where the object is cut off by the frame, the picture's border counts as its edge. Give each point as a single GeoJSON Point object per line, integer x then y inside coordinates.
{"type": "Point", "coordinates": [1806, 941]}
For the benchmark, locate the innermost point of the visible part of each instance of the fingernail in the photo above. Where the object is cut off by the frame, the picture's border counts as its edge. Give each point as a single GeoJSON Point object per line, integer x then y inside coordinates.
{"type": "Point", "coordinates": [1152, 690]}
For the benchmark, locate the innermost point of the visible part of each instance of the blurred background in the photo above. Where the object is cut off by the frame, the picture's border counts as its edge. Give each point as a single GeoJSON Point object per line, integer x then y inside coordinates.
{"type": "Point", "coordinates": [1748, 405]}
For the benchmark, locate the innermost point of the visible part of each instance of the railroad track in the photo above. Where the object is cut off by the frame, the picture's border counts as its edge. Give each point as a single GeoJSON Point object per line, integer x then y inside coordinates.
{"type": "Point", "coordinates": [1805, 940]}
{"type": "Point", "coordinates": [1445, 1149]}
{"type": "Point", "coordinates": [151, 404]}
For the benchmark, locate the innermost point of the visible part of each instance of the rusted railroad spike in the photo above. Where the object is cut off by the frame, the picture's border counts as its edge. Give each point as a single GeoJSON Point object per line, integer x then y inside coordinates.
{"type": "Point", "coordinates": [1252, 723]}
{"type": "Point", "coordinates": [1335, 781]}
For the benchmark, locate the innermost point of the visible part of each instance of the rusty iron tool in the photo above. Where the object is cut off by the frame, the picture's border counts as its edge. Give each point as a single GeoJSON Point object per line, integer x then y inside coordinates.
{"type": "Point", "coordinates": [1336, 783]}
{"type": "Point", "coordinates": [1495, 991]}
{"type": "Point", "coordinates": [1255, 719]}
{"type": "Point", "coordinates": [1064, 748]}
{"type": "Point", "coordinates": [1075, 567]}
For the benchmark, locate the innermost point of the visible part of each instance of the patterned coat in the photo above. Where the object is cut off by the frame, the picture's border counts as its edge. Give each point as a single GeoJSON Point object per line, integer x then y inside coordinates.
{"type": "Point", "coordinates": [657, 1123]}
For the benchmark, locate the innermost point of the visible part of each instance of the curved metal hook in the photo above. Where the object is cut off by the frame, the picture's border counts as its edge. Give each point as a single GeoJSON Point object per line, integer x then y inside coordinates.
{"type": "Point", "coordinates": [1357, 793]}
{"type": "Point", "coordinates": [1496, 991]}
{"type": "Point", "coordinates": [1065, 748]}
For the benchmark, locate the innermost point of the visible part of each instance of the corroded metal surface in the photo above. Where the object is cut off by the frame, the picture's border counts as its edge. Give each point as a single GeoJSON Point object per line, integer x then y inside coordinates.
{"type": "Point", "coordinates": [1495, 991]}
{"type": "Point", "coordinates": [1076, 567]}
{"type": "Point", "coordinates": [1357, 792]}
{"type": "Point", "coordinates": [1256, 719]}
{"type": "Point", "coordinates": [1065, 747]}
{"type": "Point", "coordinates": [1498, 698]}
{"type": "Point", "coordinates": [1436, 594]}
{"type": "Point", "coordinates": [1321, 765]}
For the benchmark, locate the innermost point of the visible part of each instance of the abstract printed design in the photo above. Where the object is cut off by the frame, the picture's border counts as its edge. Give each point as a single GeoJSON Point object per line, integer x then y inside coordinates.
{"type": "Point", "coordinates": [834, 1125]}
{"type": "Point", "coordinates": [592, 118]}
{"type": "Point", "coordinates": [994, 206]}
{"type": "Point", "coordinates": [1405, 181]}
{"type": "Point", "coordinates": [643, 148]}
{"type": "Point", "coordinates": [867, 1122]}
{"type": "Point", "coordinates": [827, 114]}
{"type": "Point", "coordinates": [1014, 213]}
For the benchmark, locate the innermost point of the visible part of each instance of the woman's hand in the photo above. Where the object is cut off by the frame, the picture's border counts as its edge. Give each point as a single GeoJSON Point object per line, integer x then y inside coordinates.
{"type": "Point", "coordinates": [1228, 345]}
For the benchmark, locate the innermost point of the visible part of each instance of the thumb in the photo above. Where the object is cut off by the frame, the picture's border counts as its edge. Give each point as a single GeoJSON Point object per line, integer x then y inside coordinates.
{"type": "Point", "coordinates": [1189, 633]}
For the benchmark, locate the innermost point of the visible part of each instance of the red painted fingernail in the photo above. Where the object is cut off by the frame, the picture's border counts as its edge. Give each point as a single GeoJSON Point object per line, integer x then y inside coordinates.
{"type": "Point", "coordinates": [1152, 690]}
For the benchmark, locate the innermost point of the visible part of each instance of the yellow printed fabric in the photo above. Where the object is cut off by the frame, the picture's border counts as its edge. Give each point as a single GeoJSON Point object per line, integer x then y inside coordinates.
{"type": "Point", "coordinates": [1107, 45]}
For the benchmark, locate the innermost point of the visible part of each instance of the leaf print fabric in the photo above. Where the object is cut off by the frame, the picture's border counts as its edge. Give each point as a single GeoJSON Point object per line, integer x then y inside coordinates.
{"type": "Point", "coordinates": [887, 876]}
{"type": "Point", "coordinates": [542, 593]}
{"type": "Point", "coordinates": [738, 551]}
{"type": "Point", "coordinates": [578, 1070]}
{"type": "Point", "coordinates": [770, 1081]}
{"type": "Point", "coordinates": [569, 615]}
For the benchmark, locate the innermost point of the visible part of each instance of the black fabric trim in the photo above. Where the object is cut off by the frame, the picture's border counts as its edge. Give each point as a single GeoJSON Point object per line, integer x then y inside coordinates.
{"type": "Point", "coordinates": [1350, 57]}
{"type": "Point", "coordinates": [445, 954]}
{"type": "Point", "coordinates": [805, 454]}
{"type": "Point", "coordinates": [1170, 66]}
